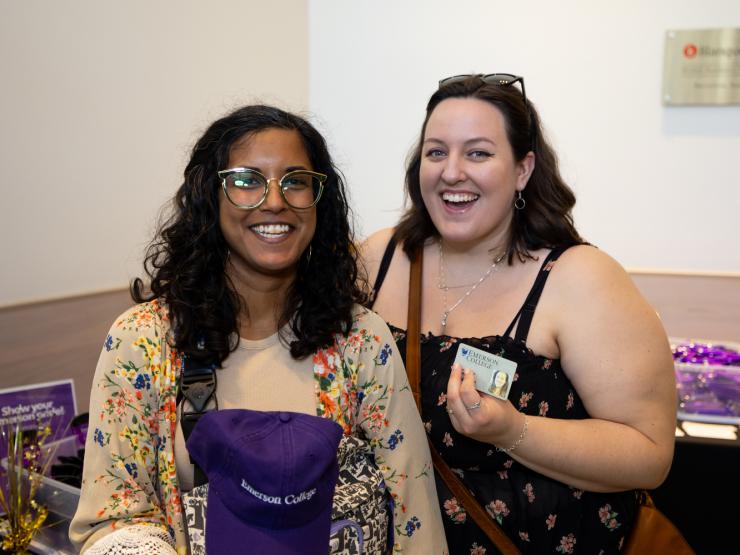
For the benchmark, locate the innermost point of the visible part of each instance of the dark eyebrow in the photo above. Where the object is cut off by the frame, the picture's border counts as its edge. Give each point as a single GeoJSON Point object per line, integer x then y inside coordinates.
{"type": "Point", "coordinates": [466, 143]}
{"type": "Point", "coordinates": [295, 168]}
{"type": "Point", "coordinates": [480, 139]}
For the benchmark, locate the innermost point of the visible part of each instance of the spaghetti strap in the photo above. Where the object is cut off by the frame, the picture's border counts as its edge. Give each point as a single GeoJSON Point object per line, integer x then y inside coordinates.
{"type": "Point", "coordinates": [526, 312]}
{"type": "Point", "coordinates": [385, 263]}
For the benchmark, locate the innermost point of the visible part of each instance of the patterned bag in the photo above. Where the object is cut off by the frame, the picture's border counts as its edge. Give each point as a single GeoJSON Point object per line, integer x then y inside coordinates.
{"type": "Point", "coordinates": [361, 513]}
{"type": "Point", "coordinates": [195, 503]}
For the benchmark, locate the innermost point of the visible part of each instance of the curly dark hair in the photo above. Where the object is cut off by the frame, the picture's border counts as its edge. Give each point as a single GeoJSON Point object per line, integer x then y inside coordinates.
{"type": "Point", "coordinates": [185, 263]}
{"type": "Point", "coordinates": [547, 219]}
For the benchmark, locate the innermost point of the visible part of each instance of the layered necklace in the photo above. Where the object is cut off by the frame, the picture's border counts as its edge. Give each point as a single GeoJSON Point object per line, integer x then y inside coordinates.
{"type": "Point", "coordinates": [442, 284]}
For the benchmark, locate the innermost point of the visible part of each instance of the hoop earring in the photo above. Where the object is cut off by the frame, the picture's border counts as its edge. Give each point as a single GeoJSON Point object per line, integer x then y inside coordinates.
{"type": "Point", "coordinates": [519, 202]}
{"type": "Point", "coordinates": [308, 258]}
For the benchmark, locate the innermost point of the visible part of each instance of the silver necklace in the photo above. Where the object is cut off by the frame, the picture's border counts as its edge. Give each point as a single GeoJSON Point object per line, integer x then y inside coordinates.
{"type": "Point", "coordinates": [444, 287]}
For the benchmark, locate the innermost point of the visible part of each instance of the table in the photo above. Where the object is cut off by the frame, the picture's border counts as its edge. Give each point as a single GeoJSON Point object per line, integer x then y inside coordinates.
{"type": "Point", "coordinates": [704, 479]}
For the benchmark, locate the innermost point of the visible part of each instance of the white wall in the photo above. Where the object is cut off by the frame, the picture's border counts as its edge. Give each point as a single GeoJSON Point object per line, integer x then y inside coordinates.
{"type": "Point", "coordinates": [657, 187]}
{"type": "Point", "coordinates": [100, 102]}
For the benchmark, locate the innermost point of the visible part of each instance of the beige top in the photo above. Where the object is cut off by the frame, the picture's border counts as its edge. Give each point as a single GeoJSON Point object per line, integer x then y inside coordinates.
{"type": "Point", "coordinates": [256, 367]}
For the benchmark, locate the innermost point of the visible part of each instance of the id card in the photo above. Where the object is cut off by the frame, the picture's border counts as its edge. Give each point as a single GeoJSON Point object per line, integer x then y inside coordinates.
{"type": "Point", "coordinates": [493, 374]}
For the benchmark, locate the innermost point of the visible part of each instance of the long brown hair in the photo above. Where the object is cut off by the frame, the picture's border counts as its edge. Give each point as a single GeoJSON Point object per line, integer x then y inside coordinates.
{"type": "Point", "coordinates": [546, 221]}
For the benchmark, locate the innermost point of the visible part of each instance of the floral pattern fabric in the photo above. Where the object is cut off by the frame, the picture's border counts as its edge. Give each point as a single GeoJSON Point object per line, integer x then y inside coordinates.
{"type": "Point", "coordinates": [130, 478]}
{"type": "Point", "coordinates": [539, 514]}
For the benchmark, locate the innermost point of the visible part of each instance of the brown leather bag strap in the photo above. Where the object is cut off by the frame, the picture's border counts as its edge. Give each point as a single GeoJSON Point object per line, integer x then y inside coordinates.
{"type": "Point", "coordinates": [479, 515]}
{"type": "Point", "coordinates": [413, 368]}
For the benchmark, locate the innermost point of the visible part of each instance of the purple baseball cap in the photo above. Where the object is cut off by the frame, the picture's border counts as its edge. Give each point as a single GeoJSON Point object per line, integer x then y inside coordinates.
{"type": "Point", "coordinates": [271, 479]}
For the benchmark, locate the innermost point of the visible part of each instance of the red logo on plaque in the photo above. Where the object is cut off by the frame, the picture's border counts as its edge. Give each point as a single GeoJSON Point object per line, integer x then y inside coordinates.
{"type": "Point", "coordinates": [690, 50]}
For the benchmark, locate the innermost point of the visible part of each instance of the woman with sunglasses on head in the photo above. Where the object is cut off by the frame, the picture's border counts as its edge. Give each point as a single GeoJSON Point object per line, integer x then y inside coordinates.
{"type": "Point", "coordinates": [590, 415]}
{"type": "Point", "coordinates": [253, 276]}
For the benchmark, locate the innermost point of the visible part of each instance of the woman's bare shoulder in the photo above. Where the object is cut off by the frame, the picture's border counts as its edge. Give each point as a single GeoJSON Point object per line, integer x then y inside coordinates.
{"type": "Point", "coordinates": [587, 265]}
{"type": "Point", "coordinates": [591, 286]}
{"type": "Point", "coordinates": [375, 244]}
{"type": "Point", "coordinates": [371, 250]}
{"type": "Point", "coordinates": [586, 281]}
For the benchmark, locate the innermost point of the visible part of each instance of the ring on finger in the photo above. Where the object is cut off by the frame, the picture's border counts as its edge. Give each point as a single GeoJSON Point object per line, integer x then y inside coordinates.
{"type": "Point", "coordinates": [450, 411]}
{"type": "Point", "coordinates": [474, 406]}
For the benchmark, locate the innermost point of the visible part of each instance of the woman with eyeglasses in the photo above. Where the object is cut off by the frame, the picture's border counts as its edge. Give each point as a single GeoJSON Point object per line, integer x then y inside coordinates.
{"type": "Point", "coordinates": [253, 279]}
{"type": "Point", "coordinates": [590, 416]}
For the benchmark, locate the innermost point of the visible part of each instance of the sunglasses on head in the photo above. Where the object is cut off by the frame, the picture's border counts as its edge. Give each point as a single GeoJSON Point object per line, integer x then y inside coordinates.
{"type": "Point", "coordinates": [498, 79]}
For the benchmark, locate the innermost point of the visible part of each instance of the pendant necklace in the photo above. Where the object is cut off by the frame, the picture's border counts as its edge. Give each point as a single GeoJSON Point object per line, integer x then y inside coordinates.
{"type": "Point", "coordinates": [444, 287]}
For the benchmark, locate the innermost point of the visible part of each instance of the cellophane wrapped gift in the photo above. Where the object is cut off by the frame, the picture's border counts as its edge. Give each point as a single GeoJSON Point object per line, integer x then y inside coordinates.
{"type": "Point", "coordinates": [708, 380]}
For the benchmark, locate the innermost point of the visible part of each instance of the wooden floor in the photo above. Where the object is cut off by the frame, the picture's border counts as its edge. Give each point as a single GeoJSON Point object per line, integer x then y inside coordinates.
{"type": "Point", "coordinates": [62, 339]}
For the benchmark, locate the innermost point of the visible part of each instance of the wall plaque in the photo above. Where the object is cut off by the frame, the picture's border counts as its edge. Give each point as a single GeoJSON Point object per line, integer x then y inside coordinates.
{"type": "Point", "coordinates": [702, 66]}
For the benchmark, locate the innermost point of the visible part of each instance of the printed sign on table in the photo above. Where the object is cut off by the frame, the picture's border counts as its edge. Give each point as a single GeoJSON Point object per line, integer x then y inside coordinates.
{"type": "Point", "coordinates": [50, 403]}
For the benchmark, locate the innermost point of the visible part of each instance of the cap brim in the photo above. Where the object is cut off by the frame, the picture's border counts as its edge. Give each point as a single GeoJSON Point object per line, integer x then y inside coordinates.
{"type": "Point", "coordinates": [227, 534]}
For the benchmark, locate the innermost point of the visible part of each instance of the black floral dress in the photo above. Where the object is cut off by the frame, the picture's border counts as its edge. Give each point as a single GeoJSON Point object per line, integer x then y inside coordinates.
{"type": "Point", "coordinates": [539, 514]}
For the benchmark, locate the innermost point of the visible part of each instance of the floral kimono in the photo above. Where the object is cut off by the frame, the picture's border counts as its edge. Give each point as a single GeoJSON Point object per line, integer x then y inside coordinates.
{"type": "Point", "coordinates": [130, 480]}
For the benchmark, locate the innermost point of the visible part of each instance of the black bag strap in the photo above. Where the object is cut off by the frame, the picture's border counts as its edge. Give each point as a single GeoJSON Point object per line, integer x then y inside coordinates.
{"type": "Point", "coordinates": [198, 387]}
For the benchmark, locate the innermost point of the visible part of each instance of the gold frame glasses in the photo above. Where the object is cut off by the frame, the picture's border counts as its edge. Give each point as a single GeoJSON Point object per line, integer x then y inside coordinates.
{"type": "Point", "coordinates": [291, 186]}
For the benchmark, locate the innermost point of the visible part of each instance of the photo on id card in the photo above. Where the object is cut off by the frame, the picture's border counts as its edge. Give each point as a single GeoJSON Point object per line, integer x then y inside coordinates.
{"type": "Point", "coordinates": [493, 374]}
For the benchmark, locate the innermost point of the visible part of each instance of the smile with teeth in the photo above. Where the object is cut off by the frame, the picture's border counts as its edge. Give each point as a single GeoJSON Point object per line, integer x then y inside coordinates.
{"type": "Point", "coordinates": [271, 230]}
{"type": "Point", "coordinates": [459, 197]}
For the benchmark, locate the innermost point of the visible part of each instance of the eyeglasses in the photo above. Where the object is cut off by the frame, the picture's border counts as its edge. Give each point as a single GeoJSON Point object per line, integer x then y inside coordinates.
{"type": "Point", "coordinates": [246, 188]}
{"type": "Point", "coordinates": [500, 79]}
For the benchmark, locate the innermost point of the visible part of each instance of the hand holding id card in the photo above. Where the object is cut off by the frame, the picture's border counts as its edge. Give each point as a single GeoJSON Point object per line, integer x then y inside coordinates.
{"type": "Point", "coordinates": [493, 374]}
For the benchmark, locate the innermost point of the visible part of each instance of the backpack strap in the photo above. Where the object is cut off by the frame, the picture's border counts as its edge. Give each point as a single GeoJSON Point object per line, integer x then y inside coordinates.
{"type": "Point", "coordinates": [198, 387]}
